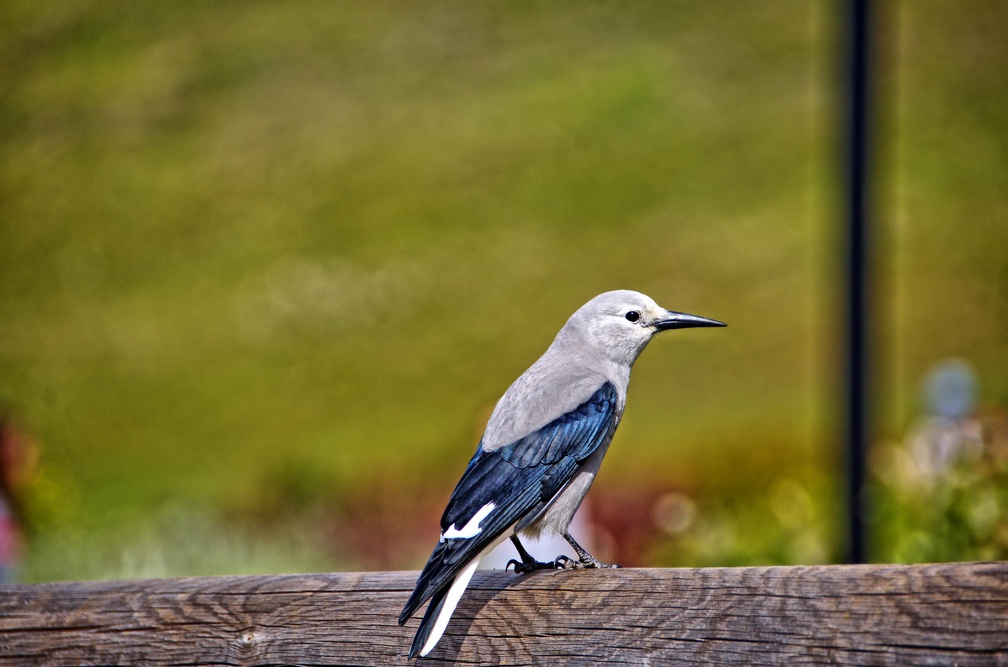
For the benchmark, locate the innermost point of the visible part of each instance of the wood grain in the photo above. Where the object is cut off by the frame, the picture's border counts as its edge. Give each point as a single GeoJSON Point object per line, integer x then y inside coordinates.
{"type": "Point", "coordinates": [947, 614]}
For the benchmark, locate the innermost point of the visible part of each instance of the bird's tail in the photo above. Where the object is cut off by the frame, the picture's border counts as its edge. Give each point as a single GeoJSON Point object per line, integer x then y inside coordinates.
{"type": "Point", "coordinates": [439, 611]}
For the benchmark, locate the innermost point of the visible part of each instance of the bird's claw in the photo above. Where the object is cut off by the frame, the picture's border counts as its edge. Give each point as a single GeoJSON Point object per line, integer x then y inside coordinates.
{"type": "Point", "coordinates": [524, 567]}
{"type": "Point", "coordinates": [562, 562]}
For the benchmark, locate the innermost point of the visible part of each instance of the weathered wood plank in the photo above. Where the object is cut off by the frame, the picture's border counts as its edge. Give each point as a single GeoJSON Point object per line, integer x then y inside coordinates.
{"type": "Point", "coordinates": [947, 614]}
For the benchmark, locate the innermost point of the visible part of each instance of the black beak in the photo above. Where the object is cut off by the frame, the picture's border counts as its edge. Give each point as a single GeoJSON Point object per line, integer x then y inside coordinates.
{"type": "Point", "coordinates": [674, 320]}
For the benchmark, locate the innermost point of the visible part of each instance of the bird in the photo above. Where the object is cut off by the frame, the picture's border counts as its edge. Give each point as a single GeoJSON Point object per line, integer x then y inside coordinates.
{"type": "Point", "coordinates": [541, 449]}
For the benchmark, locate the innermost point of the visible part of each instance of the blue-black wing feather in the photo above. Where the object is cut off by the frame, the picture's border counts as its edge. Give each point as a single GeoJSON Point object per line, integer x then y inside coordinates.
{"type": "Point", "coordinates": [516, 478]}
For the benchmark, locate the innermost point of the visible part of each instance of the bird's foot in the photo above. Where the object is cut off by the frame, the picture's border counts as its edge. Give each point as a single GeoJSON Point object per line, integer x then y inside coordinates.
{"type": "Point", "coordinates": [531, 565]}
{"type": "Point", "coordinates": [589, 563]}
{"type": "Point", "coordinates": [600, 565]}
{"type": "Point", "coordinates": [528, 563]}
{"type": "Point", "coordinates": [585, 560]}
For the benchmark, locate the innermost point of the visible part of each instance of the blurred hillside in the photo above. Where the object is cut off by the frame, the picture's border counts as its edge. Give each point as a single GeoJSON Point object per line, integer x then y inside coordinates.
{"type": "Point", "coordinates": [264, 267]}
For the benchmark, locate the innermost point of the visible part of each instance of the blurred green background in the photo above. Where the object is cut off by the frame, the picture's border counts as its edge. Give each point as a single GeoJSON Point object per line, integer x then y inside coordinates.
{"type": "Point", "coordinates": [266, 266]}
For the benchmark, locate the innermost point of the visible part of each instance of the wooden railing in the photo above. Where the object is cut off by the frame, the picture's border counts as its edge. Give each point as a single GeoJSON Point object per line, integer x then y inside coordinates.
{"type": "Point", "coordinates": [947, 614]}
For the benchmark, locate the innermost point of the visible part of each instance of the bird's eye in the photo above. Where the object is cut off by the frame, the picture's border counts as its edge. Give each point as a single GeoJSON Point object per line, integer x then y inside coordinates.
{"type": "Point", "coordinates": [632, 316]}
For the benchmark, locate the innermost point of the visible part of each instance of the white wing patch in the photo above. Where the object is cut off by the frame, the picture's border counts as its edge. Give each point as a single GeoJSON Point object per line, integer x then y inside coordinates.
{"type": "Point", "coordinates": [472, 527]}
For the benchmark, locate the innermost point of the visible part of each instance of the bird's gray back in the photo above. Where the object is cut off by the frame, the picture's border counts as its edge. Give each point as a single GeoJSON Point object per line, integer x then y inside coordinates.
{"type": "Point", "coordinates": [563, 378]}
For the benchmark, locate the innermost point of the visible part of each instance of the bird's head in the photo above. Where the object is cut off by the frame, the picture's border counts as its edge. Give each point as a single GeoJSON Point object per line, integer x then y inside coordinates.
{"type": "Point", "coordinates": [620, 323]}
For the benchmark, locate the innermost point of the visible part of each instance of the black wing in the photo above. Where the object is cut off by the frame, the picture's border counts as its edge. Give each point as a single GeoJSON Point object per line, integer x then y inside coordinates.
{"type": "Point", "coordinates": [514, 479]}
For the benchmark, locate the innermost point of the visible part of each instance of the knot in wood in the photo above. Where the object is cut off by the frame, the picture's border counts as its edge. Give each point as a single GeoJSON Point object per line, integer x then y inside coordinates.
{"type": "Point", "coordinates": [246, 644]}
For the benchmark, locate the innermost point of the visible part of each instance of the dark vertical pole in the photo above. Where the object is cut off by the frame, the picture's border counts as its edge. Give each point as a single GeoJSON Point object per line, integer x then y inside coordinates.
{"type": "Point", "coordinates": [858, 378]}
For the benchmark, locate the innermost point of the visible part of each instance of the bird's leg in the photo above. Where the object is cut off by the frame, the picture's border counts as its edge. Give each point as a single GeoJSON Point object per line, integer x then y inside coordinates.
{"type": "Point", "coordinates": [585, 559]}
{"type": "Point", "coordinates": [528, 562]}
